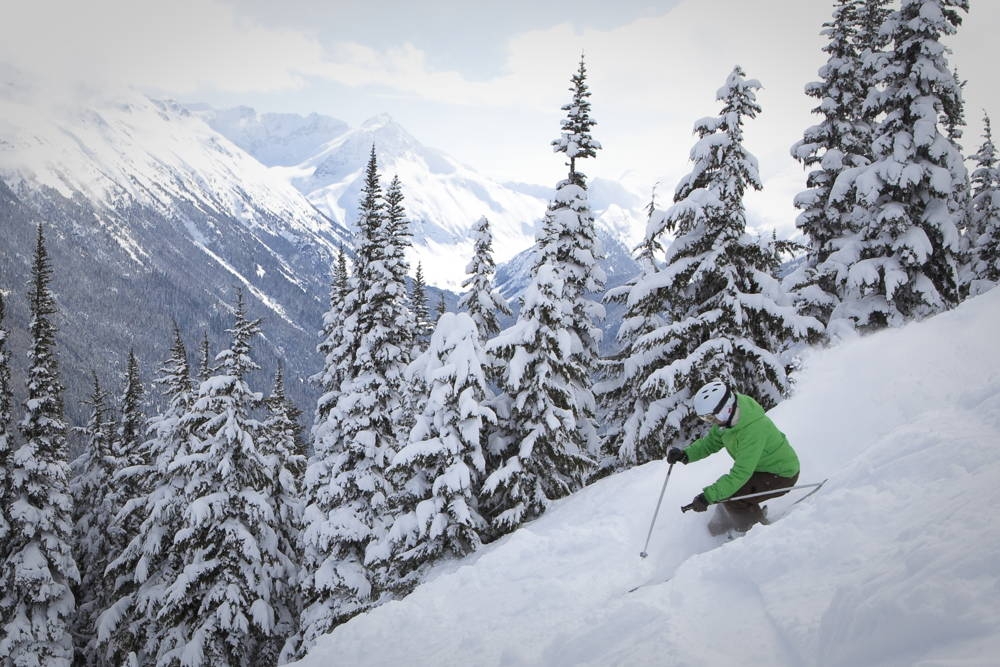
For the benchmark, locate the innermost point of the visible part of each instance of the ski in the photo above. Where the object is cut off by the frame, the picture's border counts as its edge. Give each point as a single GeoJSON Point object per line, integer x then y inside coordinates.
{"type": "Point", "coordinates": [649, 583]}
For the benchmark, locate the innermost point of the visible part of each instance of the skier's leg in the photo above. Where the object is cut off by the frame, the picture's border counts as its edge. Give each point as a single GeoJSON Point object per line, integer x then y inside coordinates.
{"type": "Point", "coordinates": [746, 513]}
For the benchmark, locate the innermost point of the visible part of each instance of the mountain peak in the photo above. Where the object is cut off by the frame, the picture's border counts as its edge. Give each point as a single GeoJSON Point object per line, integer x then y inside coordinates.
{"type": "Point", "coordinates": [378, 122]}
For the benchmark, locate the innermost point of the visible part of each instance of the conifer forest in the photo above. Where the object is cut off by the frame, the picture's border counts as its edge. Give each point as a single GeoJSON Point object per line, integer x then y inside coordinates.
{"type": "Point", "coordinates": [230, 526]}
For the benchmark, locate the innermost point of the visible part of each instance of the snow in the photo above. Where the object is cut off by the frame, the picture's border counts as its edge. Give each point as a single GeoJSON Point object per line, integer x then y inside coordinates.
{"type": "Point", "coordinates": [893, 562]}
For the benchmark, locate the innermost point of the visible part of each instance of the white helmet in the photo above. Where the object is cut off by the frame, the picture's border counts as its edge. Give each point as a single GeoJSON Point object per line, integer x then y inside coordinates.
{"type": "Point", "coordinates": [715, 399]}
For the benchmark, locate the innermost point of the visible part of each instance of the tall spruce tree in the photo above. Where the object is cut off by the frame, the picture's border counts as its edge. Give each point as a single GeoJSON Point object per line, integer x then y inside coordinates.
{"type": "Point", "coordinates": [281, 446]}
{"type": "Point", "coordinates": [220, 607]}
{"type": "Point", "coordinates": [421, 315]}
{"type": "Point", "coordinates": [914, 193]}
{"type": "Point", "coordinates": [570, 242]}
{"type": "Point", "coordinates": [346, 487]}
{"type": "Point", "coordinates": [536, 454]}
{"type": "Point", "coordinates": [983, 272]}
{"type": "Point", "coordinates": [840, 142]}
{"type": "Point", "coordinates": [37, 576]}
{"type": "Point", "coordinates": [132, 424]}
{"type": "Point", "coordinates": [6, 445]}
{"type": "Point", "coordinates": [728, 316]}
{"type": "Point", "coordinates": [625, 398]}
{"type": "Point", "coordinates": [130, 630]}
{"type": "Point", "coordinates": [97, 538]}
{"type": "Point", "coordinates": [441, 468]}
{"type": "Point", "coordinates": [547, 439]}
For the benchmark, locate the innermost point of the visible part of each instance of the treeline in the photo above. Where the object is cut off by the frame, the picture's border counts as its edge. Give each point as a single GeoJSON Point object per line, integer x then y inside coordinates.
{"type": "Point", "coordinates": [216, 533]}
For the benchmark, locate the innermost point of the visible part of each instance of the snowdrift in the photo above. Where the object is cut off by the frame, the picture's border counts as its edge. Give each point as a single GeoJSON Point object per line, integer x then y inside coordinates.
{"type": "Point", "coordinates": [896, 561]}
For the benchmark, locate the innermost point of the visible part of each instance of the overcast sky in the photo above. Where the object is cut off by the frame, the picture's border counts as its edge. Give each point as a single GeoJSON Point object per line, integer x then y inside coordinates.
{"type": "Point", "coordinates": [482, 81]}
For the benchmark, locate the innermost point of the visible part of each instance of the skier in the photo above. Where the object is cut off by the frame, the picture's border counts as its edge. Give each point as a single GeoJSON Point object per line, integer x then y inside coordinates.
{"type": "Point", "coordinates": [762, 458]}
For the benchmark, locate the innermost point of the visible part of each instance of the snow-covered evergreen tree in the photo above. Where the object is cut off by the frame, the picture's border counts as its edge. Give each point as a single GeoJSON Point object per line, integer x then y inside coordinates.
{"type": "Point", "coordinates": [481, 300]}
{"type": "Point", "coordinates": [984, 219]}
{"type": "Point", "coordinates": [904, 264]}
{"type": "Point", "coordinates": [537, 454]}
{"type": "Point", "coordinates": [421, 314]}
{"type": "Point", "coordinates": [336, 347]}
{"type": "Point", "coordinates": [625, 398]}
{"type": "Point", "coordinates": [6, 445]}
{"type": "Point", "coordinates": [97, 538]}
{"type": "Point", "coordinates": [840, 141]}
{"type": "Point", "coordinates": [281, 446]}
{"type": "Point", "coordinates": [728, 316]}
{"type": "Point", "coordinates": [547, 433]}
{"type": "Point", "coordinates": [36, 600]}
{"type": "Point", "coordinates": [130, 631]}
{"type": "Point", "coordinates": [346, 486]}
{"type": "Point", "coordinates": [220, 607]}
{"type": "Point", "coordinates": [132, 423]}
{"type": "Point", "coordinates": [205, 360]}
{"type": "Point", "coordinates": [569, 242]}
{"type": "Point", "coordinates": [441, 469]}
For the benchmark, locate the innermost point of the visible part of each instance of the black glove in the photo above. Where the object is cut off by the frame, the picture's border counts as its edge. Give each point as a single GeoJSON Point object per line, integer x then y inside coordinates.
{"type": "Point", "coordinates": [674, 455]}
{"type": "Point", "coordinates": [700, 503]}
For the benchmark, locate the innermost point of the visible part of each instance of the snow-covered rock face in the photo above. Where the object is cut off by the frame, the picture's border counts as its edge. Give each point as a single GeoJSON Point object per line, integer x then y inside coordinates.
{"type": "Point", "coordinates": [444, 198]}
{"type": "Point", "coordinates": [129, 150]}
{"type": "Point", "coordinates": [151, 215]}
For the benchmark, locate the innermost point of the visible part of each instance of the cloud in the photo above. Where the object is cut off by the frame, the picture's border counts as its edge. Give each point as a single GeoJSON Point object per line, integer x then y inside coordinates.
{"type": "Point", "coordinates": [179, 46]}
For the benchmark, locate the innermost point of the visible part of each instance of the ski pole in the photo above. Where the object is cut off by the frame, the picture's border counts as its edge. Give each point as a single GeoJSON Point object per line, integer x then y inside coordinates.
{"type": "Point", "coordinates": [643, 554]}
{"type": "Point", "coordinates": [764, 493]}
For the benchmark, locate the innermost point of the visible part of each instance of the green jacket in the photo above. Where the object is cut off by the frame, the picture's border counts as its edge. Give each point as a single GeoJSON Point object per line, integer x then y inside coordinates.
{"type": "Point", "coordinates": [755, 444]}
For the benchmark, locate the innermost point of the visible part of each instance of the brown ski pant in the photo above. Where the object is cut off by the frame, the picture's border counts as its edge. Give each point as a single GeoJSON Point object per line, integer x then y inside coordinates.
{"type": "Point", "coordinates": [746, 513]}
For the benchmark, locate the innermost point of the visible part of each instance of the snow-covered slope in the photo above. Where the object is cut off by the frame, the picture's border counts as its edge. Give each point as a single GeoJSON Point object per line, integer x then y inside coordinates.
{"type": "Point", "coordinates": [894, 562]}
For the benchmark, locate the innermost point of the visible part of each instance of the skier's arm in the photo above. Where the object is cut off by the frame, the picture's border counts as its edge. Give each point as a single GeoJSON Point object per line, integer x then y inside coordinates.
{"type": "Point", "coordinates": [745, 459]}
{"type": "Point", "coordinates": [705, 446]}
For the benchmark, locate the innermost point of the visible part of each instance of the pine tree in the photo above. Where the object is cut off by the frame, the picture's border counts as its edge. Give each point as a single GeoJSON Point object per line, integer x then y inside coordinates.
{"type": "Point", "coordinates": [576, 141]}
{"type": "Point", "coordinates": [130, 631]}
{"type": "Point", "coordinates": [131, 426]}
{"type": "Point", "coordinates": [841, 142]}
{"type": "Point", "coordinates": [728, 317]}
{"type": "Point", "coordinates": [346, 487]}
{"type": "Point", "coordinates": [97, 538]}
{"type": "Point", "coordinates": [421, 315]}
{"type": "Point", "coordinates": [569, 241]}
{"type": "Point", "coordinates": [6, 446]}
{"type": "Point", "coordinates": [914, 194]}
{"type": "Point", "coordinates": [220, 607]}
{"type": "Point", "coordinates": [625, 398]}
{"type": "Point", "coordinates": [205, 363]}
{"type": "Point", "coordinates": [281, 445]}
{"type": "Point", "coordinates": [537, 454]}
{"type": "Point", "coordinates": [481, 300]}
{"type": "Point", "coordinates": [36, 577]}
{"type": "Point", "coordinates": [984, 219]}
{"type": "Point", "coordinates": [337, 347]}
{"type": "Point", "coordinates": [436, 509]}
{"type": "Point", "coordinates": [547, 432]}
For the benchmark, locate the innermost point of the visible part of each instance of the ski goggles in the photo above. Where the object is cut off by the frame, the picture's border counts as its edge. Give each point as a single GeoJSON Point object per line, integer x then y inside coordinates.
{"type": "Point", "coordinates": [710, 419]}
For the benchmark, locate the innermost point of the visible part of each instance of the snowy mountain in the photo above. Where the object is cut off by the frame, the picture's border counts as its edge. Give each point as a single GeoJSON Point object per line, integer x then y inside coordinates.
{"type": "Point", "coordinates": [893, 562]}
{"type": "Point", "coordinates": [444, 198]}
{"type": "Point", "coordinates": [275, 139]}
{"type": "Point", "coordinates": [152, 216]}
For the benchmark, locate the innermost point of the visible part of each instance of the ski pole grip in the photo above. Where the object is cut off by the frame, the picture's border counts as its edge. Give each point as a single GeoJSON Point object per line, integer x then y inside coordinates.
{"type": "Point", "coordinates": [687, 507]}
